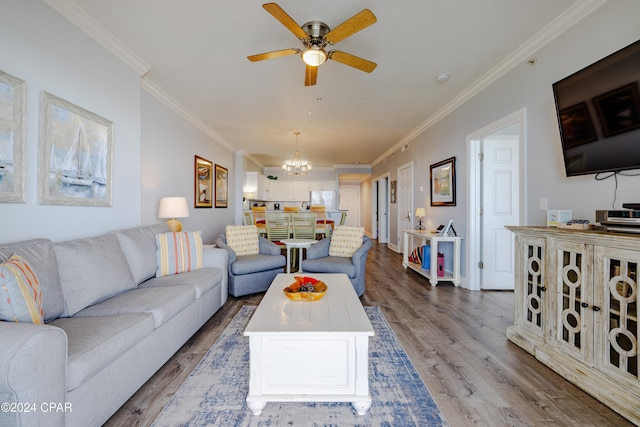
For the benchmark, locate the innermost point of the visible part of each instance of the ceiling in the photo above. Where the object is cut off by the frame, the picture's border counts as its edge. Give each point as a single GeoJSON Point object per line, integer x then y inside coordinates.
{"type": "Point", "coordinates": [193, 54]}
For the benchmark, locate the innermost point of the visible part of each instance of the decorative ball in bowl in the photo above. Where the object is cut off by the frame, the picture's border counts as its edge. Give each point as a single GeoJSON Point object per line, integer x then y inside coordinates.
{"type": "Point", "coordinates": [305, 289]}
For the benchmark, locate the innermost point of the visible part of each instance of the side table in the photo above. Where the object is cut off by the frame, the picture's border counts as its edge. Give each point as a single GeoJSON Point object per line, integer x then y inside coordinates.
{"type": "Point", "coordinates": [297, 243]}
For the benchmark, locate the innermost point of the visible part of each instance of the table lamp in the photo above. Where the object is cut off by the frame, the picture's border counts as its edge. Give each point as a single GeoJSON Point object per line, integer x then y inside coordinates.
{"type": "Point", "coordinates": [173, 207]}
{"type": "Point", "coordinates": [420, 213]}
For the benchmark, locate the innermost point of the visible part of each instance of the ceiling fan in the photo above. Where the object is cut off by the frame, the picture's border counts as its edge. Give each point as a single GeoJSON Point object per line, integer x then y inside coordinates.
{"type": "Point", "coordinates": [315, 36]}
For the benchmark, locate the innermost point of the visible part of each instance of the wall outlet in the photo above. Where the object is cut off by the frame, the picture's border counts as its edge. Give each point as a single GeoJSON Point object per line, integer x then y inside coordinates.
{"type": "Point", "coordinates": [543, 203]}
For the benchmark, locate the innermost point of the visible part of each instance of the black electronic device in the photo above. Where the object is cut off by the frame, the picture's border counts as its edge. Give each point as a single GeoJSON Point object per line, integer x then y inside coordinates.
{"type": "Point", "coordinates": [625, 221]}
{"type": "Point", "coordinates": [598, 112]}
{"type": "Point", "coordinates": [631, 205]}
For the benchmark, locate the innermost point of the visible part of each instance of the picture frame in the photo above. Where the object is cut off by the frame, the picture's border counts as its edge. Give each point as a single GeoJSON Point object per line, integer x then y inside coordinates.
{"type": "Point", "coordinates": [442, 176]}
{"type": "Point", "coordinates": [394, 185]}
{"type": "Point", "coordinates": [577, 125]}
{"type": "Point", "coordinates": [76, 149]}
{"type": "Point", "coordinates": [619, 109]}
{"type": "Point", "coordinates": [203, 183]}
{"type": "Point", "coordinates": [222, 187]}
{"type": "Point", "coordinates": [12, 141]}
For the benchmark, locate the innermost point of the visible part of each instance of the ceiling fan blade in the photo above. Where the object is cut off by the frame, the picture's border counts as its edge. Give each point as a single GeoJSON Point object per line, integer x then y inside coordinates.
{"type": "Point", "coordinates": [352, 61]}
{"type": "Point", "coordinates": [285, 20]}
{"type": "Point", "coordinates": [274, 54]}
{"type": "Point", "coordinates": [351, 26]}
{"type": "Point", "coordinates": [310, 75]}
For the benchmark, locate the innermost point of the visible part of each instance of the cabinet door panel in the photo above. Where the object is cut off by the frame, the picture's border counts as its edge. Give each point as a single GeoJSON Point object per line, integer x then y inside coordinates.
{"type": "Point", "coordinates": [573, 296]}
{"type": "Point", "coordinates": [532, 273]}
{"type": "Point", "coordinates": [616, 293]}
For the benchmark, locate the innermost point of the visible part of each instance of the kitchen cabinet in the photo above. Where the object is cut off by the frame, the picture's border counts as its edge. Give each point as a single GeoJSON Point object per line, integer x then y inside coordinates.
{"type": "Point", "coordinates": [577, 309]}
{"type": "Point", "coordinates": [322, 186]}
{"type": "Point", "coordinates": [291, 191]}
{"type": "Point", "coordinates": [257, 186]}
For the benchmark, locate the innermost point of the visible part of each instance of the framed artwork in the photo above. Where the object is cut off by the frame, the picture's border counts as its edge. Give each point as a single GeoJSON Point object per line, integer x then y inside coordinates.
{"type": "Point", "coordinates": [619, 109]}
{"type": "Point", "coordinates": [394, 186]}
{"type": "Point", "coordinates": [76, 148]}
{"type": "Point", "coordinates": [577, 126]}
{"type": "Point", "coordinates": [203, 175]}
{"type": "Point", "coordinates": [222, 193]}
{"type": "Point", "coordinates": [12, 109]}
{"type": "Point", "coordinates": [443, 183]}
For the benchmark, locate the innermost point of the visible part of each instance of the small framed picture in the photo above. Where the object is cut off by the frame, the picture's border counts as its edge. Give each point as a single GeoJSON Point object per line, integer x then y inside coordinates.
{"type": "Point", "coordinates": [222, 182]}
{"type": "Point", "coordinates": [203, 172]}
{"type": "Point", "coordinates": [443, 183]}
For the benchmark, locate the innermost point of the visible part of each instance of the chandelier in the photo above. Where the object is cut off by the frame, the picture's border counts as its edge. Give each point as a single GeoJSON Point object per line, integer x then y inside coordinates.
{"type": "Point", "coordinates": [296, 166]}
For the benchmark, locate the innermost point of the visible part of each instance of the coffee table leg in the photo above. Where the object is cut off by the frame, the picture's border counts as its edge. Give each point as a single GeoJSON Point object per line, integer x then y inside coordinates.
{"type": "Point", "coordinates": [361, 406]}
{"type": "Point", "coordinates": [257, 406]}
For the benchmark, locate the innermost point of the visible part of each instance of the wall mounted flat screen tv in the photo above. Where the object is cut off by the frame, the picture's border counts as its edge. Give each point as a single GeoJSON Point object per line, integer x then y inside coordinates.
{"type": "Point", "coordinates": [598, 111]}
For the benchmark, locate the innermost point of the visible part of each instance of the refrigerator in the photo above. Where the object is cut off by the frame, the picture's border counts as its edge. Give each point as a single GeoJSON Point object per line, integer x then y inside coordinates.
{"type": "Point", "coordinates": [328, 199]}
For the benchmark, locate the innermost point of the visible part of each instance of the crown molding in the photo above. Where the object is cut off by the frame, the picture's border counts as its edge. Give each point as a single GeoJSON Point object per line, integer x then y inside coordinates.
{"type": "Point", "coordinates": [569, 18]}
{"type": "Point", "coordinates": [90, 26]}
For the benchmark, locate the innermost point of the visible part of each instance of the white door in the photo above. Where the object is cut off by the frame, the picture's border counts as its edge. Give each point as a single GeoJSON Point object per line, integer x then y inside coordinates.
{"type": "Point", "coordinates": [350, 201]}
{"type": "Point", "coordinates": [383, 210]}
{"type": "Point", "coordinates": [405, 201]}
{"type": "Point", "coordinates": [500, 207]}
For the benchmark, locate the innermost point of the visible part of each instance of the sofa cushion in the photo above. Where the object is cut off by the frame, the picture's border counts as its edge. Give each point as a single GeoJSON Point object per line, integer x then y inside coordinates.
{"type": "Point", "coordinates": [178, 252]}
{"type": "Point", "coordinates": [92, 270]}
{"type": "Point", "coordinates": [96, 341]}
{"type": "Point", "coordinates": [202, 280]}
{"type": "Point", "coordinates": [243, 239]}
{"type": "Point", "coordinates": [39, 253]}
{"type": "Point", "coordinates": [255, 263]}
{"type": "Point", "coordinates": [20, 298]}
{"type": "Point", "coordinates": [161, 302]}
{"type": "Point", "coordinates": [345, 241]}
{"type": "Point", "coordinates": [331, 264]}
{"type": "Point", "coordinates": [139, 247]}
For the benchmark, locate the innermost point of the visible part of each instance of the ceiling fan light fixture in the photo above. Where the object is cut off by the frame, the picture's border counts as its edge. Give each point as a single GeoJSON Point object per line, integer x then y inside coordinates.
{"type": "Point", "coordinates": [314, 56]}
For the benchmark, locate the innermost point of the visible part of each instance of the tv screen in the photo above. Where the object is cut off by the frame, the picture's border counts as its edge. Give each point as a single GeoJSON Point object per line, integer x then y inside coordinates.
{"type": "Point", "coordinates": [598, 111]}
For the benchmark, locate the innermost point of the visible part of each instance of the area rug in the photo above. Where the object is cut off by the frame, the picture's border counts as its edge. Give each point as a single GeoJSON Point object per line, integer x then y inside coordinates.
{"type": "Point", "coordinates": [214, 394]}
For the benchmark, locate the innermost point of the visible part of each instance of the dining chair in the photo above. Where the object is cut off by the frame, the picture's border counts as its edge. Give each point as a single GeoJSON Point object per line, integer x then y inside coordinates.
{"type": "Point", "coordinates": [323, 225]}
{"type": "Point", "coordinates": [247, 218]}
{"type": "Point", "coordinates": [291, 209]}
{"type": "Point", "coordinates": [304, 225]}
{"type": "Point", "coordinates": [259, 218]}
{"type": "Point", "coordinates": [278, 227]}
{"type": "Point", "coordinates": [343, 218]}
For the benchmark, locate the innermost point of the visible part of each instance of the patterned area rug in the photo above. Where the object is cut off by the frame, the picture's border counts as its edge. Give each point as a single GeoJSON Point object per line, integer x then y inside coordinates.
{"type": "Point", "coordinates": [214, 394]}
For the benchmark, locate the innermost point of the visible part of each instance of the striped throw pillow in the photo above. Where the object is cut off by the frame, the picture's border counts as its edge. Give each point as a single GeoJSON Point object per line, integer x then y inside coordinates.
{"type": "Point", "coordinates": [345, 241]}
{"type": "Point", "coordinates": [20, 288]}
{"type": "Point", "coordinates": [178, 252]}
{"type": "Point", "coordinates": [243, 239]}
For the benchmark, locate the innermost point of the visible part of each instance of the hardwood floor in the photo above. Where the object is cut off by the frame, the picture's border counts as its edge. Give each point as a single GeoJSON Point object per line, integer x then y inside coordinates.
{"type": "Point", "coordinates": [454, 337]}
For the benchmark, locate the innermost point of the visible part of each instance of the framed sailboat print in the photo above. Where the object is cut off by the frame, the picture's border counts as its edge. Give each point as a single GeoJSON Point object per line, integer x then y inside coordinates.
{"type": "Point", "coordinates": [12, 108]}
{"type": "Point", "coordinates": [75, 155]}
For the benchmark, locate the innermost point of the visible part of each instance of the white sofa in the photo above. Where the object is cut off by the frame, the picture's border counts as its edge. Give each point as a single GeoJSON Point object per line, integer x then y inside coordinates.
{"type": "Point", "coordinates": [110, 324]}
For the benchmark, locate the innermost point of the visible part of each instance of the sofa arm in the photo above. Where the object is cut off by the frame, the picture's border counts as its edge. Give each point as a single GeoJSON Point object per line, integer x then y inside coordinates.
{"type": "Point", "coordinates": [218, 258]}
{"type": "Point", "coordinates": [33, 375]}
{"type": "Point", "coordinates": [319, 250]}
{"type": "Point", "coordinates": [267, 247]}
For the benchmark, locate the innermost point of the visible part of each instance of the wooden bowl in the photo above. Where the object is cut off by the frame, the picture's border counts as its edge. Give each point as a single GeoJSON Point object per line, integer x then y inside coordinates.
{"type": "Point", "coordinates": [294, 294]}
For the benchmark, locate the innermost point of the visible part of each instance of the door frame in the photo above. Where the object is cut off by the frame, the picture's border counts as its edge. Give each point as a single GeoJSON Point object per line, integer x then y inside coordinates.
{"type": "Point", "coordinates": [474, 193]}
{"type": "Point", "coordinates": [380, 208]}
{"type": "Point", "coordinates": [400, 230]}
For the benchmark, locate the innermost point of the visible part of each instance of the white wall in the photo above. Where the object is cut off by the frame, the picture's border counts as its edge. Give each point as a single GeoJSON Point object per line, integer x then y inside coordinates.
{"type": "Point", "coordinates": [611, 27]}
{"type": "Point", "coordinates": [169, 147]}
{"type": "Point", "coordinates": [42, 48]}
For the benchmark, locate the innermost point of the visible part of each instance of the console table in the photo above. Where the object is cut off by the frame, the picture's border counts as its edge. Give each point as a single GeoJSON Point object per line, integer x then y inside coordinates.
{"type": "Point", "coordinates": [434, 240]}
{"type": "Point", "coordinates": [576, 309]}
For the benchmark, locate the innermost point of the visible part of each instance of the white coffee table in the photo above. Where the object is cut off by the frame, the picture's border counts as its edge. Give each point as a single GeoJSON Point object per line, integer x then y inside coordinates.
{"type": "Point", "coordinates": [309, 351]}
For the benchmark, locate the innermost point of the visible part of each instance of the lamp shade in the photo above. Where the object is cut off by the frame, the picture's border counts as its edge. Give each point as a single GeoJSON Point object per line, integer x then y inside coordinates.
{"type": "Point", "coordinates": [420, 212]}
{"type": "Point", "coordinates": [173, 207]}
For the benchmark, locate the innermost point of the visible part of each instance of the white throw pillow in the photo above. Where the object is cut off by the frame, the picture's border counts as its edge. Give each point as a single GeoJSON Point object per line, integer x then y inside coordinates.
{"type": "Point", "coordinates": [345, 241]}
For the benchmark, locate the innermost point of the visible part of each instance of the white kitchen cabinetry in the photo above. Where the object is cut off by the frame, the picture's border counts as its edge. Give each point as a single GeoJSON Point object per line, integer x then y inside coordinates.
{"type": "Point", "coordinates": [292, 191]}
{"type": "Point", "coordinates": [322, 186]}
{"type": "Point", "coordinates": [257, 186]}
{"type": "Point", "coordinates": [577, 309]}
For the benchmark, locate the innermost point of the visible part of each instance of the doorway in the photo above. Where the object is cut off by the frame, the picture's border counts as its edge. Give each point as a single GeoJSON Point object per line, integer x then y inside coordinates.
{"type": "Point", "coordinates": [495, 200]}
{"type": "Point", "coordinates": [405, 202]}
{"type": "Point", "coordinates": [380, 208]}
